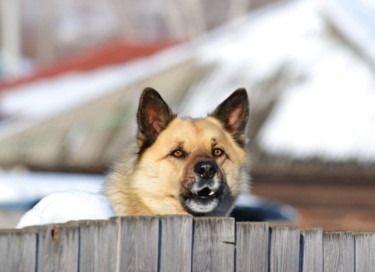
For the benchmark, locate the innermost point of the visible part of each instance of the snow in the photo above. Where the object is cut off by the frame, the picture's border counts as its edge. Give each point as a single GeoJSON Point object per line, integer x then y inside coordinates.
{"type": "Point", "coordinates": [65, 197]}
{"type": "Point", "coordinates": [333, 121]}
{"type": "Point", "coordinates": [327, 112]}
{"type": "Point", "coordinates": [42, 99]}
{"type": "Point", "coordinates": [20, 190]}
{"type": "Point", "coordinates": [67, 206]}
{"type": "Point", "coordinates": [356, 21]}
{"type": "Point", "coordinates": [254, 48]}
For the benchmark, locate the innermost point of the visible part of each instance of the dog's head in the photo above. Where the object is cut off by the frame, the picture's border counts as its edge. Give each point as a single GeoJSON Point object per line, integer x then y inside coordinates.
{"type": "Point", "coordinates": [195, 165]}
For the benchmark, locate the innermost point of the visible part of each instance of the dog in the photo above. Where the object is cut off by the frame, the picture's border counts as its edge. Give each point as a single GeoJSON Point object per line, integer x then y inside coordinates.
{"type": "Point", "coordinates": [183, 165]}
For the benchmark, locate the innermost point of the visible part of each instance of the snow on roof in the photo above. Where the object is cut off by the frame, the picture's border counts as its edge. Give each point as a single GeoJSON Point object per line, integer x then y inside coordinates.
{"type": "Point", "coordinates": [356, 21]}
{"type": "Point", "coordinates": [328, 111]}
{"type": "Point", "coordinates": [254, 48]}
{"type": "Point", "coordinates": [113, 52]}
{"type": "Point", "coordinates": [39, 100]}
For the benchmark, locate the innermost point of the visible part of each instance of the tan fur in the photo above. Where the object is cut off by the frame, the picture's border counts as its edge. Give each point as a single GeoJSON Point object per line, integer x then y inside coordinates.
{"type": "Point", "coordinates": [151, 184]}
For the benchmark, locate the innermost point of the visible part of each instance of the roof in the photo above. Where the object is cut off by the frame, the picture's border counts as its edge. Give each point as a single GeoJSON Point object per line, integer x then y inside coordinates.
{"type": "Point", "coordinates": [88, 136]}
{"type": "Point", "coordinates": [286, 55]}
{"type": "Point", "coordinates": [115, 52]}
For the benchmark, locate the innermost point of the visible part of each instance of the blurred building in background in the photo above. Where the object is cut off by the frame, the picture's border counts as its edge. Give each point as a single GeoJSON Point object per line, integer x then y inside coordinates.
{"type": "Point", "coordinates": [308, 67]}
{"type": "Point", "coordinates": [43, 32]}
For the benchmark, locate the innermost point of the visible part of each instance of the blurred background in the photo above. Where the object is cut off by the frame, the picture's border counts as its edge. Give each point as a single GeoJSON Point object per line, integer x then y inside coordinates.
{"type": "Point", "coordinates": [71, 73]}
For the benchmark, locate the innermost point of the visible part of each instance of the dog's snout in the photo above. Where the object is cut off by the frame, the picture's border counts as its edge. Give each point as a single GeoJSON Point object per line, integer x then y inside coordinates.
{"type": "Point", "coordinates": [205, 169]}
{"type": "Point", "coordinates": [208, 180]}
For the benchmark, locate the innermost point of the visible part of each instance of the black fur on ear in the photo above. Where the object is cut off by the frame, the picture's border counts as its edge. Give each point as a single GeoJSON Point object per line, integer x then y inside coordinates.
{"type": "Point", "coordinates": [233, 113]}
{"type": "Point", "coordinates": [153, 116]}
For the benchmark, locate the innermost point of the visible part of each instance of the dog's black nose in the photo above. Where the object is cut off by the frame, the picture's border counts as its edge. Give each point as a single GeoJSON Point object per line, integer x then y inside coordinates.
{"type": "Point", "coordinates": [205, 169]}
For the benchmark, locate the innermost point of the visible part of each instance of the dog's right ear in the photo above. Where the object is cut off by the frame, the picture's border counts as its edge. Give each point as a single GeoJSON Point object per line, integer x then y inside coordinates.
{"type": "Point", "coordinates": [153, 116]}
{"type": "Point", "coordinates": [233, 113]}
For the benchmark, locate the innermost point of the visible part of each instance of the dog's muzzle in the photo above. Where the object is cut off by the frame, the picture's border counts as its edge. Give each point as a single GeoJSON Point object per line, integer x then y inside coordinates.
{"type": "Point", "coordinates": [206, 191]}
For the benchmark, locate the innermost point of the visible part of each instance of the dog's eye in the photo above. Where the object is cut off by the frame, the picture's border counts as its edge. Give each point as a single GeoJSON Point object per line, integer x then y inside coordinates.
{"type": "Point", "coordinates": [217, 152]}
{"type": "Point", "coordinates": [178, 154]}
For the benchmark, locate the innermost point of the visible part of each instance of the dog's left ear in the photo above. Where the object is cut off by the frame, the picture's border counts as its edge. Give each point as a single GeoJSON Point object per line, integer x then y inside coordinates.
{"type": "Point", "coordinates": [233, 113]}
{"type": "Point", "coordinates": [153, 116]}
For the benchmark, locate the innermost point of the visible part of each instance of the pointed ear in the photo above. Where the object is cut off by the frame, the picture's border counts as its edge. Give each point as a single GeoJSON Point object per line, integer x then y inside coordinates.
{"type": "Point", "coordinates": [233, 113]}
{"type": "Point", "coordinates": [153, 116]}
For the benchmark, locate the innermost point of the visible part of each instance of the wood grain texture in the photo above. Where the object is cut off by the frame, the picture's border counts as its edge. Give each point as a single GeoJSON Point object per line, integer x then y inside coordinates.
{"type": "Point", "coordinates": [139, 240]}
{"type": "Point", "coordinates": [18, 250]}
{"type": "Point", "coordinates": [312, 250]}
{"type": "Point", "coordinates": [338, 251]}
{"type": "Point", "coordinates": [98, 246]}
{"type": "Point", "coordinates": [183, 243]}
{"type": "Point", "coordinates": [176, 243]}
{"type": "Point", "coordinates": [213, 244]}
{"type": "Point", "coordinates": [285, 249]}
{"type": "Point", "coordinates": [365, 252]}
{"type": "Point", "coordinates": [58, 248]}
{"type": "Point", "coordinates": [252, 247]}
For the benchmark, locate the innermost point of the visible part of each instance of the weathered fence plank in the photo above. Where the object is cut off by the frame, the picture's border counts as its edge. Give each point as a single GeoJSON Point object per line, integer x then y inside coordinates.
{"type": "Point", "coordinates": [365, 252]}
{"type": "Point", "coordinates": [312, 258]}
{"type": "Point", "coordinates": [176, 243]}
{"type": "Point", "coordinates": [285, 249]}
{"type": "Point", "coordinates": [139, 240]}
{"type": "Point", "coordinates": [18, 250]}
{"type": "Point", "coordinates": [99, 245]}
{"type": "Point", "coordinates": [183, 243]}
{"type": "Point", "coordinates": [338, 251]}
{"type": "Point", "coordinates": [252, 247]}
{"type": "Point", "coordinates": [58, 248]}
{"type": "Point", "coordinates": [213, 244]}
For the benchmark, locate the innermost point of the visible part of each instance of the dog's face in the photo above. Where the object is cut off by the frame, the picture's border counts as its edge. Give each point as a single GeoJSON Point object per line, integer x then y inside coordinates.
{"type": "Point", "coordinates": [191, 165]}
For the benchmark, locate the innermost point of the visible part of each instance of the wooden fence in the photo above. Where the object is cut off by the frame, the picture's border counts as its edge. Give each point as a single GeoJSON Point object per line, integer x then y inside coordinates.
{"type": "Point", "coordinates": [183, 243]}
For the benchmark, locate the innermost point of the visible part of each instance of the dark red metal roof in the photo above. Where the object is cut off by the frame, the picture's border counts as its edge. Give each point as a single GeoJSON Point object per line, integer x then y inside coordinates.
{"type": "Point", "coordinates": [112, 53]}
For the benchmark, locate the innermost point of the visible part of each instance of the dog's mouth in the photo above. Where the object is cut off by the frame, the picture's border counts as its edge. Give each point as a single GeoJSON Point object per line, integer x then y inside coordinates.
{"type": "Point", "coordinates": [206, 192]}
{"type": "Point", "coordinates": [202, 201]}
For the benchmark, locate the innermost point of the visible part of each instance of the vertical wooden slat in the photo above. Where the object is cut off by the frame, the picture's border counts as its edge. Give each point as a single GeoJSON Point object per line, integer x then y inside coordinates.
{"type": "Point", "coordinates": [58, 248]}
{"type": "Point", "coordinates": [213, 244]}
{"type": "Point", "coordinates": [364, 252]}
{"type": "Point", "coordinates": [18, 250]}
{"type": "Point", "coordinates": [285, 249]}
{"type": "Point", "coordinates": [139, 243]}
{"type": "Point", "coordinates": [338, 251]}
{"type": "Point", "coordinates": [166, 244]}
{"type": "Point", "coordinates": [252, 247]}
{"type": "Point", "coordinates": [312, 250]}
{"type": "Point", "coordinates": [98, 245]}
{"type": "Point", "coordinates": [176, 243]}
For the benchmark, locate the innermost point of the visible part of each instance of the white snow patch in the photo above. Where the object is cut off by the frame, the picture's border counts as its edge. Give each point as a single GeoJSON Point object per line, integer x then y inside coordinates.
{"type": "Point", "coordinates": [252, 49]}
{"type": "Point", "coordinates": [42, 99]}
{"type": "Point", "coordinates": [31, 186]}
{"type": "Point", "coordinates": [355, 20]}
{"type": "Point", "coordinates": [65, 197]}
{"type": "Point", "coordinates": [67, 206]}
{"type": "Point", "coordinates": [329, 112]}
